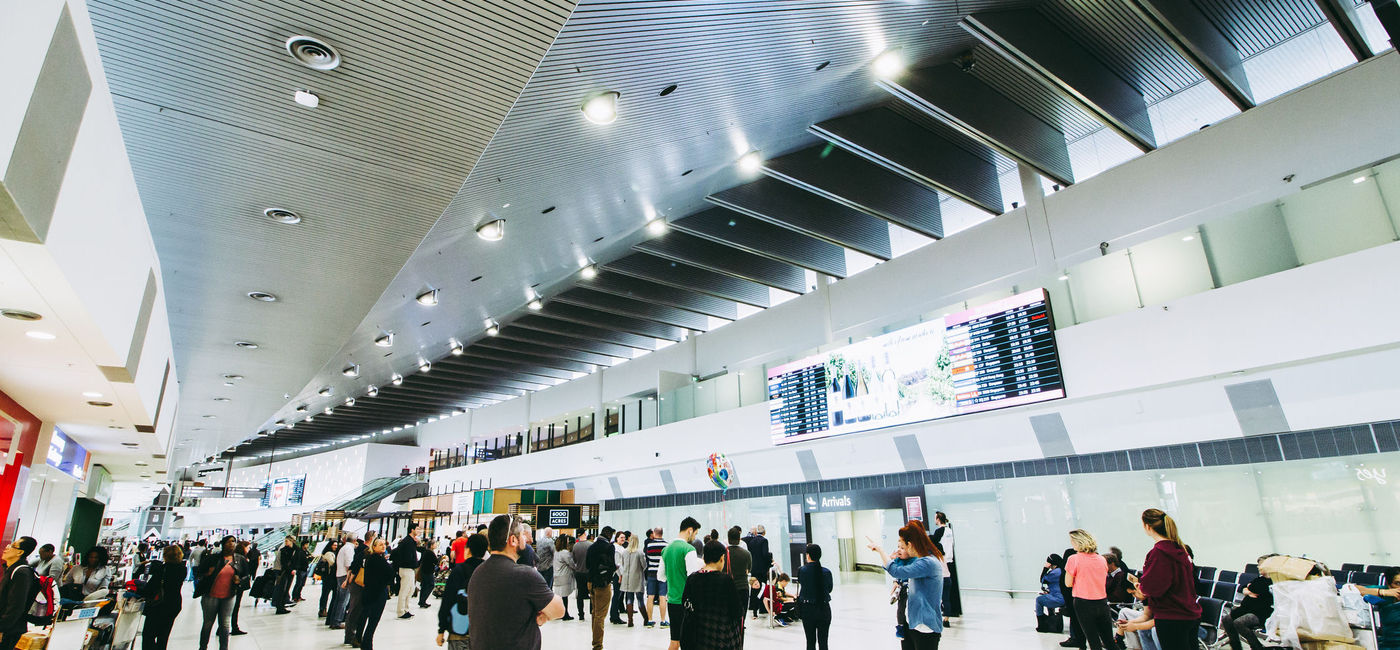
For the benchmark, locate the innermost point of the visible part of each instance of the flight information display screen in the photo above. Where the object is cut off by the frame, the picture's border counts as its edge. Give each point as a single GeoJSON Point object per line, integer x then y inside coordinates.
{"type": "Point", "coordinates": [284, 491]}
{"type": "Point", "coordinates": [993, 356]}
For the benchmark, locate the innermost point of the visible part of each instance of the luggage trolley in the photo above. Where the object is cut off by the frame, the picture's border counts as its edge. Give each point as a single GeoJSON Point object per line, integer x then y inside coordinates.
{"type": "Point", "coordinates": [117, 630]}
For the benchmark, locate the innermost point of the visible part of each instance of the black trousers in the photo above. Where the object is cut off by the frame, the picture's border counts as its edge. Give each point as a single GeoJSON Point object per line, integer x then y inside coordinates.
{"type": "Point", "coordinates": [301, 582]}
{"type": "Point", "coordinates": [1177, 635]}
{"type": "Point", "coordinates": [581, 581]}
{"type": "Point", "coordinates": [354, 614]}
{"type": "Point", "coordinates": [373, 607]}
{"type": "Point", "coordinates": [11, 636]}
{"type": "Point", "coordinates": [155, 632]}
{"type": "Point", "coordinates": [280, 589]}
{"type": "Point", "coordinates": [615, 609]}
{"type": "Point", "coordinates": [1091, 616]}
{"type": "Point", "coordinates": [327, 591]}
{"type": "Point", "coordinates": [920, 640]}
{"type": "Point", "coordinates": [425, 587]}
{"type": "Point", "coordinates": [237, 605]}
{"type": "Point", "coordinates": [816, 624]}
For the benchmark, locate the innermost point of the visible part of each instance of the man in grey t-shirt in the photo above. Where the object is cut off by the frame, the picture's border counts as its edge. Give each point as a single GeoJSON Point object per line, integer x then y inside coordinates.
{"type": "Point", "coordinates": [581, 546]}
{"type": "Point", "coordinates": [507, 602]}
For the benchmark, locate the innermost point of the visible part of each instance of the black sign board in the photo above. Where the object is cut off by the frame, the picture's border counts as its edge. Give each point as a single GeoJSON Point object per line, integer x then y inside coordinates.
{"type": "Point", "coordinates": [558, 516]}
{"type": "Point", "coordinates": [874, 499]}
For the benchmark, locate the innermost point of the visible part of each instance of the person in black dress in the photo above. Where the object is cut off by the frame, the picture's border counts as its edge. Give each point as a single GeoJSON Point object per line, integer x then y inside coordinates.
{"type": "Point", "coordinates": [378, 575]}
{"type": "Point", "coordinates": [162, 595]}
{"type": "Point", "coordinates": [814, 599]}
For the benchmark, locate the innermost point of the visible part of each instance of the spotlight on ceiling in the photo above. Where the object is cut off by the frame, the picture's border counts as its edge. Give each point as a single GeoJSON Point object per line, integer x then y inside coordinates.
{"type": "Point", "coordinates": [349, 401]}
{"type": "Point", "coordinates": [372, 391]}
{"type": "Point", "coordinates": [281, 423]}
{"type": "Point", "coordinates": [351, 370]}
{"type": "Point", "coordinates": [310, 418]}
{"type": "Point", "coordinates": [42, 336]}
{"type": "Point", "coordinates": [424, 366]}
{"type": "Point", "coordinates": [329, 410]}
{"type": "Point", "coordinates": [535, 305]}
{"type": "Point", "coordinates": [307, 99]}
{"type": "Point", "coordinates": [492, 230]}
{"type": "Point", "coordinates": [428, 298]}
{"type": "Point", "coordinates": [398, 379]}
{"type": "Point", "coordinates": [888, 64]}
{"type": "Point", "coordinates": [656, 226]}
{"type": "Point", "coordinates": [751, 162]}
{"type": "Point", "coordinates": [457, 349]}
{"type": "Point", "coordinates": [301, 409]}
{"type": "Point", "coordinates": [325, 392]}
{"type": "Point", "coordinates": [282, 215]}
{"type": "Point", "coordinates": [385, 340]}
{"type": "Point", "coordinates": [589, 272]}
{"type": "Point", "coordinates": [601, 108]}
{"type": "Point", "coordinates": [492, 328]}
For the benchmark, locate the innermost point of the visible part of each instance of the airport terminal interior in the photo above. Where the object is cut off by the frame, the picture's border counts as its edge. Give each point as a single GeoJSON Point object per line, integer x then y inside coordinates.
{"type": "Point", "coordinates": [917, 319]}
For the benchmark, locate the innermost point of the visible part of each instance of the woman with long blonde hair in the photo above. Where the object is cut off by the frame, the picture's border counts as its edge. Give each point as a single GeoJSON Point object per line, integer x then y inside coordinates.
{"type": "Point", "coordinates": [1168, 583]}
{"type": "Point", "coordinates": [1086, 574]}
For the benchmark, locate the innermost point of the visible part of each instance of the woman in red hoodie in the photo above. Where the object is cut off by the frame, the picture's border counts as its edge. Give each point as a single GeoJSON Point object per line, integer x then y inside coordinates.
{"type": "Point", "coordinates": [1168, 584]}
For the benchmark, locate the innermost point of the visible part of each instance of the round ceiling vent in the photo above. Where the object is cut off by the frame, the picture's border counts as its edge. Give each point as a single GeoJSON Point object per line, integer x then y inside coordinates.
{"type": "Point", "coordinates": [281, 215]}
{"type": "Point", "coordinates": [262, 296]}
{"type": "Point", "coordinates": [20, 314]}
{"type": "Point", "coordinates": [313, 53]}
{"type": "Point", "coordinates": [246, 345]}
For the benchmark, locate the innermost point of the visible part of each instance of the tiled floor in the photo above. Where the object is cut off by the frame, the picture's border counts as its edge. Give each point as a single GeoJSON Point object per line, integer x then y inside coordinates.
{"type": "Point", "coordinates": [863, 619]}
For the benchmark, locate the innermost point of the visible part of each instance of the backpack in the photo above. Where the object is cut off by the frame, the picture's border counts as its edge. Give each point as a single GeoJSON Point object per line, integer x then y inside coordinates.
{"type": "Point", "coordinates": [458, 611]}
{"type": "Point", "coordinates": [34, 585]}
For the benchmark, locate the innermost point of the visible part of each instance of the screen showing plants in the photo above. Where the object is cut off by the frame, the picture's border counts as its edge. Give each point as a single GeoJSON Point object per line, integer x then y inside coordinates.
{"type": "Point", "coordinates": [993, 356]}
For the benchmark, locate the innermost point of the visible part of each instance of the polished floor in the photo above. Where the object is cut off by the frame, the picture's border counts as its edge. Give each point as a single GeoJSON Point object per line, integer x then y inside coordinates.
{"type": "Point", "coordinates": [863, 619]}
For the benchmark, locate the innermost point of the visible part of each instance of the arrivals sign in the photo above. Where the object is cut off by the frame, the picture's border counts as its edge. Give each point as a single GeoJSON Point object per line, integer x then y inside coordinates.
{"type": "Point", "coordinates": [873, 499]}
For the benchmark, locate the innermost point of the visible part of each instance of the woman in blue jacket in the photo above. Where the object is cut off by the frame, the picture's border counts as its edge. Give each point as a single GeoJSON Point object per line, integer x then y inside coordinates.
{"type": "Point", "coordinates": [918, 561]}
{"type": "Point", "coordinates": [1050, 596]}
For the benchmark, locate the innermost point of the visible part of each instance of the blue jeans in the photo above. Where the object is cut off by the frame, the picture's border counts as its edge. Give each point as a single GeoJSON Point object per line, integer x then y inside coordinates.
{"type": "Point", "coordinates": [1045, 602]}
{"type": "Point", "coordinates": [336, 614]}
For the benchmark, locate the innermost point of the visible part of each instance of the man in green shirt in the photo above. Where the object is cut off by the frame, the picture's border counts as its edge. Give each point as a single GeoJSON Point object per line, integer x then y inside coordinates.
{"type": "Point", "coordinates": [678, 561]}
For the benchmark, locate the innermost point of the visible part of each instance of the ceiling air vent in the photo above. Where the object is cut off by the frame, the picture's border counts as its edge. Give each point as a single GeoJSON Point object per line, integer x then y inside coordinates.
{"type": "Point", "coordinates": [313, 52]}
{"type": "Point", "coordinates": [282, 216]}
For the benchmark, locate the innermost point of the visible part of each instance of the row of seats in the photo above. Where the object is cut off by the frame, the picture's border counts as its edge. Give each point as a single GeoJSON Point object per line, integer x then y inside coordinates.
{"type": "Point", "coordinates": [1349, 574]}
{"type": "Point", "coordinates": [1226, 591]}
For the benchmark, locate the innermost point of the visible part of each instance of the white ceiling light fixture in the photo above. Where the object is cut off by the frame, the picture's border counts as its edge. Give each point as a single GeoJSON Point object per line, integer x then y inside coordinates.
{"type": "Point", "coordinates": [492, 328]}
{"type": "Point", "coordinates": [329, 410]}
{"type": "Point", "coordinates": [397, 379]}
{"type": "Point", "coordinates": [601, 108]}
{"type": "Point", "coordinates": [535, 304]}
{"type": "Point", "coordinates": [457, 348]}
{"type": "Point", "coordinates": [310, 418]}
{"type": "Point", "coordinates": [751, 162]}
{"type": "Point", "coordinates": [493, 230]}
{"type": "Point", "coordinates": [349, 401]}
{"type": "Point", "coordinates": [428, 298]}
{"type": "Point", "coordinates": [301, 409]}
{"type": "Point", "coordinates": [1358, 180]}
{"type": "Point", "coordinates": [657, 226]}
{"type": "Point", "coordinates": [282, 216]}
{"type": "Point", "coordinates": [589, 272]}
{"type": "Point", "coordinates": [313, 52]}
{"type": "Point", "coordinates": [424, 366]}
{"type": "Point", "coordinates": [385, 340]}
{"type": "Point", "coordinates": [92, 393]}
{"type": "Point", "coordinates": [306, 98]}
{"type": "Point", "coordinates": [352, 370]}
{"type": "Point", "coordinates": [373, 391]}
{"type": "Point", "coordinates": [889, 64]}
{"type": "Point", "coordinates": [326, 391]}
{"type": "Point", "coordinates": [262, 296]}
{"type": "Point", "coordinates": [245, 345]}
{"type": "Point", "coordinates": [40, 336]}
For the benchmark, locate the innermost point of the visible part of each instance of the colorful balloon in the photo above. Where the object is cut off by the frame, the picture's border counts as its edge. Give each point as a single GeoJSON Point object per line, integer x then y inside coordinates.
{"type": "Point", "coordinates": [720, 470]}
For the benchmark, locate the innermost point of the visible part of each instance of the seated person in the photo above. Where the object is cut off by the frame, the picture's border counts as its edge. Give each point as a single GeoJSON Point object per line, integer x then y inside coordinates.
{"type": "Point", "coordinates": [776, 600]}
{"type": "Point", "coordinates": [1250, 614]}
{"type": "Point", "coordinates": [1117, 581]}
{"type": "Point", "coordinates": [1386, 601]}
{"type": "Point", "coordinates": [1050, 598]}
{"type": "Point", "coordinates": [1135, 623]}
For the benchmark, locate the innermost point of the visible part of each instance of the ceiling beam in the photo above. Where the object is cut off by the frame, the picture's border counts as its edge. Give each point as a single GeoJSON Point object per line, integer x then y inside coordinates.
{"type": "Point", "coordinates": [962, 102]}
{"type": "Point", "coordinates": [681, 247]}
{"type": "Point", "coordinates": [765, 239]}
{"type": "Point", "coordinates": [1388, 12]}
{"type": "Point", "coordinates": [592, 317]}
{"type": "Point", "coordinates": [540, 365]}
{"type": "Point", "coordinates": [694, 278]}
{"type": "Point", "coordinates": [1191, 33]}
{"type": "Point", "coordinates": [540, 322]}
{"type": "Point", "coordinates": [564, 342]}
{"type": "Point", "coordinates": [585, 297]}
{"type": "Point", "coordinates": [537, 355]}
{"type": "Point", "coordinates": [631, 287]}
{"type": "Point", "coordinates": [852, 181]}
{"type": "Point", "coordinates": [1026, 39]}
{"type": "Point", "coordinates": [791, 207]}
{"type": "Point", "coordinates": [1342, 15]}
{"type": "Point", "coordinates": [896, 143]}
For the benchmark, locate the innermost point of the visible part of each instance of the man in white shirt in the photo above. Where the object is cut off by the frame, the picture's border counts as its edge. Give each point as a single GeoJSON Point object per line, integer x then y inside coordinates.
{"type": "Point", "coordinates": [335, 616]}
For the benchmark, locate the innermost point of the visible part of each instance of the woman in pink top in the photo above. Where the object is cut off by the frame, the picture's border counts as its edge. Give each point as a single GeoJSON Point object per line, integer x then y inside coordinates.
{"type": "Point", "coordinates": [1086, 574]}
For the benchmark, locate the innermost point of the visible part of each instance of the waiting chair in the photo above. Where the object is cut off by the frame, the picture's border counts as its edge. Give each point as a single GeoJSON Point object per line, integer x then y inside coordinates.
{"type": "Point", "coordinates": [1251, 568]}
{"type": "Point", "coordinates": [1204, 588]}
{"type": "Point", "coordinates": [1225, 591]}
{"type": "Point", "coordinates": [1246, 578]}
{"type": "Point", "coordinates": [1340, 576]}
{"type": "Point", "coordinates": [1353, 567]}
{"type": "Point", "coordinates": [1376, 568]}
{"type": "Point", "coordinates": [1205, 572]}
{"type": "Point", "coordinates": [1212, 610]}
{"type": "Point", "coordinates": [1227, 576]}
{"type": "Point", "coordinates": [1363, 578]}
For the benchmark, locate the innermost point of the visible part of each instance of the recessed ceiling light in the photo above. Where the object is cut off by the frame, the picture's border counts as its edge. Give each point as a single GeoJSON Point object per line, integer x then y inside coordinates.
{"type": "Point", "coordinates": [282, 215]}
{"type": "Point", "coordinates": [384, 340]}
{"type": "Point", "coordinates": [1064, 278]}
{"type": "Point", "coordinates": [398, 379]}
{"type": "Point", "coordinates": [20, 314]}
{"type": "Point", "coordinates": [589, 272]}
{"type": "Point", "coordinates": [492, 230]}
{"type": "Point", "coordinates": [372, 391]}
{"type": "Point", "coordinates": [424, 366]}
{"type": "Point", "coordinates": [656, 226]}
{"type": "Point", "coordinates": [751, 162]}
{"type": "Point", "coordinates": [210, 417]}
{"type": "Point", "coordinates": [1189, 238]}
{"type": "Point", "coordinates": [313, 52]}
{"type": "Point", "coordinates": [301, 409]}
{"type": "Point", "coordinates": [601, 108]}
{"type": "Point", "coordinates": [822, 66]}
{"type": "Point", "coordinates": [246, 345]}
{"type": "Point", "coordinates": [92, 393]}
{"type": "Point", "coordinates": [325, 391]}
{"type": "Point", "coordinates": [457, 349]}
{"type": "Point", "coordinates": [306, 98]}
{"type": "Point", "coordinates": [428, 298]}
{"type": "Point", "coordinates": [535, 305]}
{"type": "Point", "coordinates": [310, 418]}
{"type": "Point", "coordinates": [329, 410]}
{"type": "Point", "coordinates": [492, 328]}
{"type": "Point", "coordinates": [104, 404]}
{"type": "Point", "coordinates": [262, 296]}
{"type": "Point", "coordinates": [888, 64]}
{"type": "Point", "coordinates": [42, 336]}
{"type": "Point", "coordinates": [221, 399]}
{"type": "Point", "coordinates": [351, 370]}
{"type": "Point", "coordinates": [281, 423]}
{"type": "Point", "coordinates": [349, 401]}
{"type": "Point", "coordinates": [1358, 180]}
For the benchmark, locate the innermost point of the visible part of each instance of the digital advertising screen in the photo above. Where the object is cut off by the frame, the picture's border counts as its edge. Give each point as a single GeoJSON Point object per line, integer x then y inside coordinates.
{"type": "Point", "coordinates": [67, 456]}
{"type": "Point", "coordinates": [284, 491]}
{"type": "Point", "coordinates": [558, 516]}
{"type": "Point", "coordinates": [992, 356]}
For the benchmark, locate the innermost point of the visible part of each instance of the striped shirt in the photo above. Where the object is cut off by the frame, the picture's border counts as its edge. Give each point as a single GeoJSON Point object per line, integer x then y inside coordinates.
{"type": "Point", "coordinates": [653, 549]}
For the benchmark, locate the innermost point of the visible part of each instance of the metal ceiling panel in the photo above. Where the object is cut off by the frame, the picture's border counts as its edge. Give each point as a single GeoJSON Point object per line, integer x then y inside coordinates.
{"type": "Point", "coordinates": [1117, 36]}
{"type": "Point", "coordinates": [890, 140]}
{"type": "Point", "coordinates": [564, 343]}
{"type": "Point", "coordinates": [495, 380]}
{"type": "Point", "coordinates": [638, 326]}
{"type": "Point", "coordinates": [534, 352]}
{"type": "Point", "coordinates": [1388, 13]}
{"type": "Point", "coordinates": [956, 98]}
{"type": "Point", "coordinates": [598, 333]}
{"type": "Point", "coordinates": [1253, 26]}
{"type": "Point", "coordinates": [685, 276]}
{"type": "Point", "coordinates": [508, 372]}
{"type": "Point", "coordinates": [783, 205]}
{"type": "Point", "coordinates": [610, 303]}
{"type": "Point", "coordinates": [630, 287]}
{"type": "Point", "coordinates": [680, 247]}
{"type": "Point", "coordinates": [839, 176]}
{"type": "Point", "coordinates": [1028, 41]}
{"type": "Point", "coordinates": [539, 365]}
{"type": "Point", "coordinates": [1192, 34]}
{"type": "Point", "coordinates": [765, 239]}
{"type": "Point", "coordinates": [1342, 15]}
